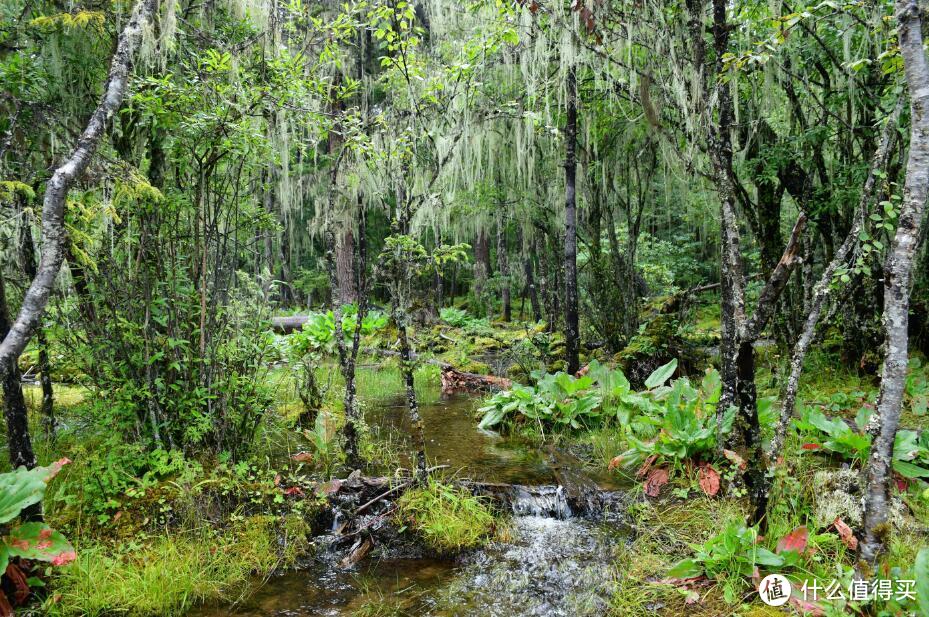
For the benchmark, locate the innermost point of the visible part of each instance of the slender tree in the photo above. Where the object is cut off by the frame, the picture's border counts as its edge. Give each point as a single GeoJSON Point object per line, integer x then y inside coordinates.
{"type": "Point", "coordinates": [572, 325]}
{"type": "Point", "coordinates": [54, 235]}
{"type": "Point", "coordinates": [898, 272]}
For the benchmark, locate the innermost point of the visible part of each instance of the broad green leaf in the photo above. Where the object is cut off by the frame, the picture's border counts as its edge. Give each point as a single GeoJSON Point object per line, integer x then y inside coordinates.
{"type": "Point", "coordinates": [661, 374]}
{"type": "Point", "coordinates": [921, 570]}
{"type": "Point", "coordinates": [765, 557]}
{"type": "Point", "coordinates": [909, 470]}
{"type": "Point", "coordinates": [688, 568]}
{"type": "Point", "coordinates": [23, 487]}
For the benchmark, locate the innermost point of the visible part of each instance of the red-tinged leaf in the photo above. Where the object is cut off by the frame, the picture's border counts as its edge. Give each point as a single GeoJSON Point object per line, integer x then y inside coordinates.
{"type": "Point", "coordinates": [302, 457]}
{"type": "Point", "coordinates": [692, 597]}
{"type": "Point", "coordinates": [657, 478]}
{"type": "Point", "coordinates": [20, 586]}
{"type": "Point", "coordinates": [646, 466]}
{"type": "Point", "coordinates": [796, 540]}
{"type": "Point", "coordinates": [5, 609]}
{"type": "Point", "coordinates": [293, 490]}
{"type": "Point", "coordinates": [117, 516]}
{"type": "Point", "coordinates": [735, 459]}
{"type": "Point", "coordinates": [811, 446]}
{"type": "Point", "coordinates": [709, 479]}
{"type": "Point", "coordinates": [845, 532]}
{"type": "Point", "coordinates": [615, 462]}
{"type": "Point", "coordinates": [55, 467]}
{"type": "Point", "coordinates": [901, 482]}
{"type": "Point", "coordinates": [64, 558]}
{"type": "Point", "coordinates": [533, 8]}
{"type": "Point", "coordinates": [39, 542]}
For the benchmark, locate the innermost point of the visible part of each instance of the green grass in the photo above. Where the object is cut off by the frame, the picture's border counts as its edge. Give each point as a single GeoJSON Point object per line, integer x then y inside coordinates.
{"type": "Point", "coordinates": [665, 533]}
{"type": "Point", "coordinates": [447, 518]}
{"type": "Point", "coordinates": [170, 574]}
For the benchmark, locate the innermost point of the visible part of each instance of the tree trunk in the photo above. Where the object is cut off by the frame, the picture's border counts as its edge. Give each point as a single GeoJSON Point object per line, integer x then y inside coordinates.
{"type": "Point", "coordinates": [17, 418]}
{"type": "Point", "coordinates": [28, 264]}
{"type": "Point", "coordinates": [54, 235]}
{"type": "Point", "coordinates": [821, 292]}
{"type": "Point", "coordinates": [531, 287]}
{"type": "Point", "coordinates": [572, 334]}
{"type": "Point", "coordinates": [481, 268]}
{"type": "Point", "coordinates": [504, 268]}
{"type": "Point", "coordinates": [345, 258]}
{"type": "Point", "coordinates": [732, 308]}
{"type": "Point", "coordinates": [350, 429]}
{"type": "Point", "coordinates": [897, 278]}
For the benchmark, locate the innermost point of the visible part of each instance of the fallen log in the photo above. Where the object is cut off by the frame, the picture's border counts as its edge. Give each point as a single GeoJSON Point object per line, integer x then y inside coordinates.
{"type": "Point", "coordinates": [288, 325]}
{"type": "Point", "coordinates": [454, 380]}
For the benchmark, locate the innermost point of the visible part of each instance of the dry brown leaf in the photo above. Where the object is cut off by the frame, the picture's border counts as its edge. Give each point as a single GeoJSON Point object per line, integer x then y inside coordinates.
{"type": "Point", "coordinates": [845, 532]}
{"type": "Point", "coordinates": [657, 478]}
{"type": "Point", "coordinates": [709, 479]}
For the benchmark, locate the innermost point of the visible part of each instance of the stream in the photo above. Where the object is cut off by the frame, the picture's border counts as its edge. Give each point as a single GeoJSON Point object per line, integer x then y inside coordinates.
{"type": "Point", "coordinates": [547, 566]}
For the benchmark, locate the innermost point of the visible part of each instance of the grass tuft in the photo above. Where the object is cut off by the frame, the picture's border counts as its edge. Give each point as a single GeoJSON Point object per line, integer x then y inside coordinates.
{"type": "Point", "coordinates": [448, 518]}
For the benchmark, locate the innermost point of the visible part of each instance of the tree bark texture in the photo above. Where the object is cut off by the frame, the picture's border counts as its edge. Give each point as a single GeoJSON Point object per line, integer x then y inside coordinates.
{"type": "Point", "coordinates": [897, 282]}
{"type": "Point", "coordinates": [345, 259]}
{"type": "Point", "coordinates": [14, 404]}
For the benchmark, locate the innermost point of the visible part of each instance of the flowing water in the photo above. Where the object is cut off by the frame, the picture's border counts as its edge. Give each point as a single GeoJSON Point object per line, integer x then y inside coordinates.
{"type": "Point", "coordinates": [552, 563]}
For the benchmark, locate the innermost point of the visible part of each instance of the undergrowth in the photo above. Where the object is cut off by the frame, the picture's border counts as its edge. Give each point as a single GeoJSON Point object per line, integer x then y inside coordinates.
{"type": "Point", "coordinates": [171, 573]}
{"type": "Point", "coordinates": [446, 517]}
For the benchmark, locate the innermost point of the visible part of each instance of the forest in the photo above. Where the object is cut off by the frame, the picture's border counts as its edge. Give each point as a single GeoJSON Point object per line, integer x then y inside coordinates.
{"type": "Point", "coordinates": [487, 308]}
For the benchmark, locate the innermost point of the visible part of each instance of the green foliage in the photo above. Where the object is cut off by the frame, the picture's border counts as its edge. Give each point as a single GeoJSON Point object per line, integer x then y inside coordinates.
{"type": "Point", "coordinates": [921, 576]}
{"type": "Point", "coordinates": [307, 348]}
{"type": "Point", "coordinates": [557, 401]}
{"type": "Point", "coordinates": [910, 453]}
{"type": "Point", "coordinates": [459, 318]}
{"type": "Point", "coordinates": [686, 424]}
{"type": "Point", "coordinates": [672, 423]}
{"type": "Point", "coordinates": [446, 517]}
{"type": "Point", "coordinates": [731, 558]}
{"type": "Point", "coordinates": [317, 336]}
{"type": "Point", "coordinates": [109, 476]}
{"type": "Point", "coordinates": [917, 387]}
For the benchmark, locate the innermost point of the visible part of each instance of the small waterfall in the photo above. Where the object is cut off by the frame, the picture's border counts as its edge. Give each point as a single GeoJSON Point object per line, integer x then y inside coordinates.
{"type": "Point", "coordinates": [546, 501]}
